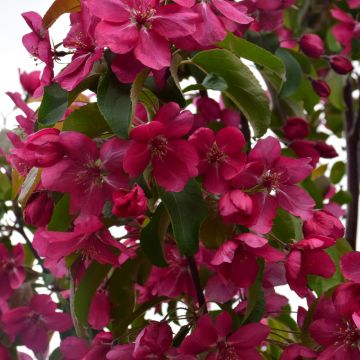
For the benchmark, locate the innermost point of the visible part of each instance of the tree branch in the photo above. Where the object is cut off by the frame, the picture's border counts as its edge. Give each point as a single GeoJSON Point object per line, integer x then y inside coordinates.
{"type": "Point", "coordinates": [196, 282]}
{"type": "Point", "coordinates": [352, 139]}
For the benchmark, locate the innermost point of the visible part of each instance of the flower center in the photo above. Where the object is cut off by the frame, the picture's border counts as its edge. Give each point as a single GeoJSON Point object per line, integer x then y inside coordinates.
{"type": "Point", "coordinates": [215, 155]}
{"type": "Point", "coordinates": [159, 146]}
{"type": "Point", "coordinates": [91, 175]}
{"type": "Point", "coordinates": [143, 15]}
{"type": "Point", "coordinates": [271, 180]}
{"type": "Point", "coordinates": [227, 352]}
{"type": "Point", "coordinates": [348, 336]}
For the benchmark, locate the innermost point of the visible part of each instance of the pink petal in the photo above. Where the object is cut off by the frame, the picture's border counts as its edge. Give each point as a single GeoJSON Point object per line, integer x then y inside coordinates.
{"type": "Point", "coordinates": [350, 266]}
{"type": "Point", "coordinates": [231, 12]}
{"type": "Point", "coordinates": [267, 211]}
{"type": "Point", "coordinates": [249, 336]}
{"type": "Point", "coordinates": [110, 10]}
{"type": "Point", "coordinates": [267, 150]}
{"type": "Point", "coordinates": [136, 159]}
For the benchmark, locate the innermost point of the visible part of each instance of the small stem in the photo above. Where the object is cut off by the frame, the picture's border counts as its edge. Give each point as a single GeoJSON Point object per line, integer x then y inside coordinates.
{"type": "Point", "coordinates": [196, 282]}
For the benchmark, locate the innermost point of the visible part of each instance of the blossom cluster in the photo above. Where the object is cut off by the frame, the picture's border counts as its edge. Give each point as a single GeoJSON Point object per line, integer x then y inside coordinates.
{"type": "Point", "coordinates": [148, 195]}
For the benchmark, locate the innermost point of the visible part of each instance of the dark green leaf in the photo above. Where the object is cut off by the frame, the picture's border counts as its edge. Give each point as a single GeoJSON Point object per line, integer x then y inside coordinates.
{"type": "Point", "coordinates": [244, 89]}
{"type": "Point", "coordinates": [88, 286]}
{"type": "Point", "coordinates": [337, 83]}
{"type": "Point", "coordinates": [87, 120]}
{"type": "Point", "coordinates": [186, 224]}
{"type": "Point", "coordinates": [53, 105]}
{"type": "Point", "coordinates": [152, 236]}
{"type": "Point", "coordinates": [287, 227]}
{"type": "Point", "coordinates": [61, 218]}
{"type": "Point", "coordinates": [115, 104]}
{"type": "Point", "coordinates": [337, 172]}
{"type": "Point", "coordinates": [273, 67]}
{"type": "Point", "coordinates": [293, 73]}
{"type": "Point", "coordinates": [214, 81]}
{"type": "Point", "coordinates": [56, 355]}
{"type": "Point", "coordinates": [342, 197]}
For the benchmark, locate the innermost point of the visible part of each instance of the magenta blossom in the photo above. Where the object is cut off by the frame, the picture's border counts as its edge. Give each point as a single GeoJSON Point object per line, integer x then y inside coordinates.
{"type": "Point", "coordinates": [39, 208]}
{"type": "Point", "coordinates": [273, 179]}
{"type": "Point", "coordinates": [161, 144]}
{"type": "Point", "coordinates": [30, 81]}
{"type": "Point", "coordinates": [308, 257]}
{"type": "Point", "coordinates": [221, 156]}
{"type": "Point", "coordinates": [33, 323]}
{"type": "Point", "coordinates": [99, 312]}
{"type": "Point", "coordinates": [81, 37]}
{"type": "Point", "coordinates": [131, 203]}
{"type": "Point", "coordinates": [143, 27]}
{"type": "Point", "coordinates": [237, 259]}
{"type": "Point", "coordinates": [216, 335]}
{"type": "Point", "coordinates": [12, 272]}
{"type": "Point", "coordinates": [297, 351]}
{"type": "Point", "coordinates": [89, 174]}
{"type": "Point", "coordinates": [89, 238]}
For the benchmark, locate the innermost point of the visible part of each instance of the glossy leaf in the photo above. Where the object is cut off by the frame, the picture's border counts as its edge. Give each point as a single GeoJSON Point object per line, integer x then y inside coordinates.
{"type": "Point", "coordinates": [214, 81]}
{"type": "Point", "coordinates": [337, 172]}
{"type": "Point", "coordinates": [186, 224]}
{"type": "Point", "coordinates": [243, 88]}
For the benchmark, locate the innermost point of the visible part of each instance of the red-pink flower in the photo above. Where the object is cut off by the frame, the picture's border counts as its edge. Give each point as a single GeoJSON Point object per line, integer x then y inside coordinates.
{"type": "Point", "coordinates": [81, 37]}
{"type": "Point", "coordinates": [12, 272]}
{"type": "Point", "coordinates": [349, 265]}
{"type": "Point", "coordinates": [161, 144]}
{"type": "Point", "coordinates": [38, 210]}
{"type": "Point", "coordinates": [312, 45]}
{"type": "Point", "coordinates": [129, 203]}
{"type": "Point", "coordinates": [308, 257]}
{"type": "Point", "coordinates": [143, 27]}
{"type": "Point", "coordinates": [89, 238]}
{"type": "Point", "coordinates": [99, 312]}
{"type": "Point", "coordinates": [89, 174]}
{"type": "Point", "coordinates": [30, 81]}
{"type": "Point", "coordinates": [216, 335]}
{"type": "Point", "coordinates": [221, 156]}
{"type": "Point", "coordinates": [237, 259]}
{"type": "Point", "coordinates": [274, 178]}
{"type": "Point", "coordinates": [297, 351]}
{"type": "Point", "coordinates": [341, 64]}
{"type": "Point", "coordinates": [296, 128]}
{"type": "Point", "coordinates": [33, 323]}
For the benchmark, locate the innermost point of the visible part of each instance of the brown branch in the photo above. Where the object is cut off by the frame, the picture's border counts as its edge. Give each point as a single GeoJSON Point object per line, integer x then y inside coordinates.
{"type": "Point", "coordinates": [197, 284]}
{"type": "Point", "coordinates": [352, 125]}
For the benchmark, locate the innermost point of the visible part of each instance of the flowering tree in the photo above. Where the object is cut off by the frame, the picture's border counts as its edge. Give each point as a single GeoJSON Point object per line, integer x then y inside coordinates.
{"type": "Point", "coordinates": [164, 188]}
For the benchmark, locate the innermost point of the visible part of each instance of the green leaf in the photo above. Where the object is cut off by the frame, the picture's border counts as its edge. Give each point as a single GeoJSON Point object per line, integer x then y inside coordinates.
{"type": "Point", "coordinates": [214, 81]}
{"type": "Point", "coordinates": [293, 73]}
{"type": "Point", "coordinates": [186, 224]}
{"type": "Point", "coordinates": [87, 120]}
{"type": "Point", "coordinates": [152, 236]}
{"type": "Point", "coordinates": [342, 197]}
{"type": "Point", "coordinates": [243, 87]}
{"type": "Point", "coordinates": [337, 172]}
{"type": "Point", "coordinates": [273, 67]}
{"type": "Point", "coordinates": [56, 355]}
{"type": "Point", "coordinates": [53, 105]}
{"type": "Point", "coordinates": [150, 101]}
{"type": "Point", "coordinates": [61, 218]}
{"type": "Point", "coordinates": [88, 286]}
{"type": "Point", "coordinates": [136, 89]}
{"type": "Point", "coordinates": [256, 301]}
{"type": "Point", "coordinates": [336, 83]}
{"type": "Point", "coordinates": [5, 187]}
{"type": "Point", "coordinates": [115, 104]}
{"type": "Point", "coordinates": [287, 227]}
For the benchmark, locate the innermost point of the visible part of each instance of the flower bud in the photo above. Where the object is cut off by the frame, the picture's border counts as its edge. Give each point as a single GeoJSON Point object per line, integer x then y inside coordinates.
{"type": "Point", "coordinates": [325, 150]}
{"type": "Point", "coordinates": [321, 88]}
{"type": "Point", "coordinates": [341, 64]}
{"type": "Point", "coordinates": [38, 210]}
{"type": "Point", "coordinates": [131, 203]}
{"type": "Point", "coordinates": [296, 128]}
{"type": "Point", "coordinates": [312, 45]}
{"type": "Point", "coordinates": [325, 224]}
{"type": "Point", "coordinates": [30, 81]}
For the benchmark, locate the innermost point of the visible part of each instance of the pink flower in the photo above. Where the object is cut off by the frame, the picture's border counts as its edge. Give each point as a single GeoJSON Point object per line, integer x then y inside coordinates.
{"type": "Point", "coordinates": [296, 128]}
{"type": "Point", "coordinates": [12, 272]}
{"type": "Point", "coordinates": [30, 81]}
{"type": "Point", "coordinates": [73, 348]}
{"type": "Point", "coordinates": [37, 43]}
{"type": "Point", "coordinates": [349, 265]}
{"type": "Point", "coordinates": [99, 312]}
{"type": "Point", "coordinates": [38, 210]}
{"type": "Point", "coordinates": [81, 37]}
{"type": "Point", "coordinates": [89, 238]}
{"type": "Point", "coordinates": [143, 27]}
{"type": "Point", "coordinates": [131, 203]}
{"type": "Point", "coordinates": [160, 144]}
{"type": "Point", "coordinates": [308, 257]}
{"type": "Point", "coordinates": [312, 45]}
{"type": "Point", "coordinates": [297, 351]}
{"type": "Point", "coordinates": [325, 224]}
{"type": "Point", "coordinates": [33, 323]}
{"type": "Point", "coordinates": [216, 335]}
{"type": "Point", "coordinates": [221, 156]}
{"type": "Point", "coordinates": [274, 178]}
{"type": "Point", "coordinates": [89, 174]}
{"type": "Point", "coordinates": [321, 87]}
{"type": "Point", "coordinates": [345, 31]}
{"type": "Point", "coordinates": [237, 259]}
